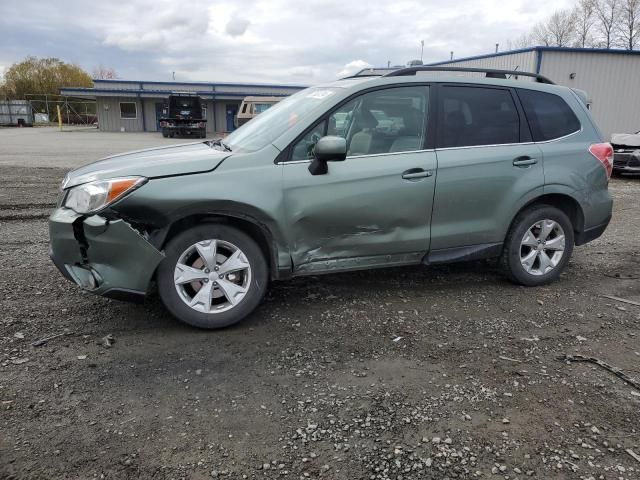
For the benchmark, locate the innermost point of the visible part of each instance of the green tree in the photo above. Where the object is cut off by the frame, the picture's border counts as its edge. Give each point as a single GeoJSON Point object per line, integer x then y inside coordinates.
{"type": "Point", "coordinates": [42, 76]}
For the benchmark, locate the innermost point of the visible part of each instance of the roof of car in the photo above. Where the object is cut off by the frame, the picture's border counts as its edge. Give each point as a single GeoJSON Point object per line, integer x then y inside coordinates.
{"type": "Point", "coordinates": [357, 83]}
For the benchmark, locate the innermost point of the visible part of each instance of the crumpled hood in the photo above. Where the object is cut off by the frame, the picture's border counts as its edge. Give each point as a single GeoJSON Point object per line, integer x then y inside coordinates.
{"type": "Point", "coordinates": [151, 163]}
{"type": "Point", "coordinates": [626, 139]}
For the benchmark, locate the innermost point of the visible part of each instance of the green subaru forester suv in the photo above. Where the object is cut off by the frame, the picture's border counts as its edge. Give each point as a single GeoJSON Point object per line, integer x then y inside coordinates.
{"type": "Point", "coordinates": [413, 167]}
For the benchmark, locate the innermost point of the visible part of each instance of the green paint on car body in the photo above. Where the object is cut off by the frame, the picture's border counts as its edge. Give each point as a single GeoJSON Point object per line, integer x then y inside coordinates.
{"type": "Point", "coordinates": [380, 208]}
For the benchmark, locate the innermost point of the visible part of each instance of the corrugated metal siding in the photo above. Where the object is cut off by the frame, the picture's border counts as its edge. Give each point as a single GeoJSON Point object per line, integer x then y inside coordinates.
{"type": "Point", "coordinates": [177, 87]}
{"type": "Point", "coordinates": [210, 123]}
{"type": "Point", "coordinates": [115, 85]}
{"type": "Point", "coordinates": [255, 90]}
{"type": "Point", "coordinates": [523, 61]}
{"type": "Point", "coordinates": [109, 120]}
{"type": "Point", "coordinates": [221, 116]}
{"type": "Point", "coordinates": [203, 88]}
{"type": "Point", "coordinates": [611, 80]}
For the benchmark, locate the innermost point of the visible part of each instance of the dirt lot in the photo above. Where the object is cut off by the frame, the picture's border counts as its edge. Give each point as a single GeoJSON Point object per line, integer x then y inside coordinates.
{"type": "Point", "coordinates": [413, 373]}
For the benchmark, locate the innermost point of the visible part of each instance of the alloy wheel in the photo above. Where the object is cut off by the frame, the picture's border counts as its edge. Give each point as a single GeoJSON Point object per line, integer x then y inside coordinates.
{"type": "Point", "coordinates": [542, 247]}
{"type": "Point", "coordinates": [212, 276]}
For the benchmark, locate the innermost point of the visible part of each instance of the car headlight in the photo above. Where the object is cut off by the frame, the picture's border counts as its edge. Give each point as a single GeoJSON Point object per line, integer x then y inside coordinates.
{"type": "Point", "coordinates": [93, 196]}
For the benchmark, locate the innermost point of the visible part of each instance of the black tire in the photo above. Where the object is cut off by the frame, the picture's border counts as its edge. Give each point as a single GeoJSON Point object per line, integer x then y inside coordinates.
{"type": "Point", "coordinates": [181, 242]}
{"type": "Point", "coordinates": [165, 134]}
{"type": "Point", "coordinates": [510, 259]}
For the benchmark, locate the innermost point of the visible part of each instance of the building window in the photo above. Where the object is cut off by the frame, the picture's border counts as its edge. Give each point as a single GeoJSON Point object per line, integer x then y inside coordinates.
{"type": "Point", "coordinates": [128, 110]}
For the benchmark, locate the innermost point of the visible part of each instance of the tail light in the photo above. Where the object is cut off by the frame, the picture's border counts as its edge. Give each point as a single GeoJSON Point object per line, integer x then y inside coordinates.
{"type": "Point", "coordinates": [201, 125]}
{"type": "Point", "coordinates": [604, 153]}
{"type": "Point", "coordinates": [163, 124]}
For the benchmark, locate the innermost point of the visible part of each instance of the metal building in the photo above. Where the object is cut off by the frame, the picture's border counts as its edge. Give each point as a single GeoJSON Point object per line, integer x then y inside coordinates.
{"type": "Point", "coordinates": [610, 77]}
{"type": "Point", "coordinates": [136, 106]}
{"type": "Point", "coordinates": [16, 113]}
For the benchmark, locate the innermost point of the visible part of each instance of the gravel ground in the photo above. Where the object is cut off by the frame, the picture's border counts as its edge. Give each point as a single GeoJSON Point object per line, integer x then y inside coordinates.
{"type": "Point", "coordinates": [414, 373]}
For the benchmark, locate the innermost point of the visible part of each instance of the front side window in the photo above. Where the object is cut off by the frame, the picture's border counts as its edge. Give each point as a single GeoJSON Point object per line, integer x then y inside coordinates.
{"type": "Point", "coordinates": [128, 110]}
{"type": "Point", "coordinates": [276, 120]}
{"type": "Point", "coordinates": [471, 116]}
{"type": "Point", "coordinates": [392, 120]}
{"type": "Point", "coordinates": [549, 115]}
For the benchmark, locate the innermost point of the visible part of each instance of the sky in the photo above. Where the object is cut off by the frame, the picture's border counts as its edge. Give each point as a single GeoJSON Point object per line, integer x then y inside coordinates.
{"type": "Point", "coordinates": [261, 41]}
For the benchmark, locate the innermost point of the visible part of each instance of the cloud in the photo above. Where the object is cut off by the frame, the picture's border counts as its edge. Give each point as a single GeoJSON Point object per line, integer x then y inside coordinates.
{"type": "Point", "coordinates": [237, 26]}
{"type": "Point", "coordinates": [259, 40]}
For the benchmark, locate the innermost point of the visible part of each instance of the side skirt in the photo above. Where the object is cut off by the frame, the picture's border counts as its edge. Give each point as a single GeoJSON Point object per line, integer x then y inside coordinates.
{"type": "Point", "coordinates": [463, 254]}
{"type": "Point", "coordinates": [358, 263]}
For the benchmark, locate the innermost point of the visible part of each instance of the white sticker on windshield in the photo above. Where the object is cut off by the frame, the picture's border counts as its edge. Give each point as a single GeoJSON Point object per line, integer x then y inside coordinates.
{"type": "Point", "coordinates": [320, 94]}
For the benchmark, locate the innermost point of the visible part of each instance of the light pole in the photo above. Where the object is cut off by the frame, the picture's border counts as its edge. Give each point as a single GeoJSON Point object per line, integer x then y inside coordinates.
{"type": "Point", "coordinates": [421, 49]}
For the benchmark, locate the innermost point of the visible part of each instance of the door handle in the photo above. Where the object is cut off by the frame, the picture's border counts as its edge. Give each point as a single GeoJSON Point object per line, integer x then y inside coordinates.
{"type": "Point", "coordinates": [524, 161]}
{"type": "Point", "coordinates": [414, 173]}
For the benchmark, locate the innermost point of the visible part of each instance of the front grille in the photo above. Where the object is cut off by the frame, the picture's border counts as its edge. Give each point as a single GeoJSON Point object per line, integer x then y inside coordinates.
{"type": "Point", "coordinates": [626, 159]}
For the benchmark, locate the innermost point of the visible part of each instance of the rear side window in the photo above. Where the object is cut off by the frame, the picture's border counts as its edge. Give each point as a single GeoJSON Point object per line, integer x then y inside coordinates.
{"type": "Point", "coordinates": [549, 115]}
{"type": "Point", "coordinates": [470, 116]}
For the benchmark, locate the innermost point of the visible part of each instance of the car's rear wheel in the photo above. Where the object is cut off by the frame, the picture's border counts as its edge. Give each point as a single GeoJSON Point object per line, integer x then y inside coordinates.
{"type": "Point", "coordinates": [212, 276]}
{"type": "Point", "coordinates": [538, 246]}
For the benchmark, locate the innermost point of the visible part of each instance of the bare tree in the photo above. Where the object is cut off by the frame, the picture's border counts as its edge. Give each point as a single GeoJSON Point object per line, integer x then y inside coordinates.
{"type": "Point", "coordinates": [523, 41]}
{"type": "Point", "coordinates": [606, 13]}
{"type": "Point", "coordinates": [584, 18]}
{"type": "Point", "coordinates": [104, 73]}
{"type": "Point", "coordinates": [629, 24]}
{"type": "Point", "coordinates": [557, 31]}
{"type": "Point", "coordinates": [540, 34]}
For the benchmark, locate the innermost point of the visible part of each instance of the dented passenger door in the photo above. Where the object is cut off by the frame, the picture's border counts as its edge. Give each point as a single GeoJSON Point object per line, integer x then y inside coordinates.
{"type": "Point", "coordinates": [374, 208]}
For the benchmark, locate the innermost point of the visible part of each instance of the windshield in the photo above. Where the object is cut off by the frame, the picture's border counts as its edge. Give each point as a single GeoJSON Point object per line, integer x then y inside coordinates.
{"type": "Point", "coordinates": [269, 125]}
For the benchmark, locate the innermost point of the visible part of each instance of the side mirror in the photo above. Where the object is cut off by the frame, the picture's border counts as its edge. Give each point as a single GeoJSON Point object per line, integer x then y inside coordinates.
{"type": "Point", "coordinates": [327, 149]}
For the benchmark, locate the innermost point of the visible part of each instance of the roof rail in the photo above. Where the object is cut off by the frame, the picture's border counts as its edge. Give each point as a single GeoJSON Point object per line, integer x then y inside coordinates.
{"type": "Point", "coordinates": [491, 73]}
{"type": "Point", "coordinates": [371, 72]}
{"type": "Point", "coordinates": [359, 75]}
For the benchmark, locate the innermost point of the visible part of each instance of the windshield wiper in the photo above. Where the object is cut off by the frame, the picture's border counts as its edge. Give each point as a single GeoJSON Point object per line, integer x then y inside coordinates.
{"type": "Point", "coordinates": [220, 143]}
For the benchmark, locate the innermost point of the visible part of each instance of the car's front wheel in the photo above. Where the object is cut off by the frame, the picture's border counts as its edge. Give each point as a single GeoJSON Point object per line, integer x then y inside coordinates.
{"type": "Point", "coordinates": [212, 276]}
{"type": "Point", "coordinates": [538, 246]}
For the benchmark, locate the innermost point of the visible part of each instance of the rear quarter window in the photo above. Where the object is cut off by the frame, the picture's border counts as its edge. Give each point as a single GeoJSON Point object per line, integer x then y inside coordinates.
{"type": "Point", "coordinates": [548, 115]}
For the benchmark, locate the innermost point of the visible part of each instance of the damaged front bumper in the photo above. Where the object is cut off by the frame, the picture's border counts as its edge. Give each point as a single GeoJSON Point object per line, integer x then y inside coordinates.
{"type": "Point", "coordinates": [627, 161]}
{"type": "Point", "coordinates": [105, 257]}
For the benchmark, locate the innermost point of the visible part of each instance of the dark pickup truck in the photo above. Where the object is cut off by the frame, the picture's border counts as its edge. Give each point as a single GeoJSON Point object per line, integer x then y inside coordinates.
{"type": "Point", "coordinates": [184, 116]}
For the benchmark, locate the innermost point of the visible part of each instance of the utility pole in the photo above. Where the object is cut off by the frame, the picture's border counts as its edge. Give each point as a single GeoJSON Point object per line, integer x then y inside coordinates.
{"type": "Point", "coordinates": [388, 63]}
{"type": "Point", "coordinates": [174, 76]}
{"type": "Point", "coordinates": [421, 49]}
{"type": "Point", "coordinates": [497, 45]}
{"type": "Point", "coordinates": [451, 54]}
